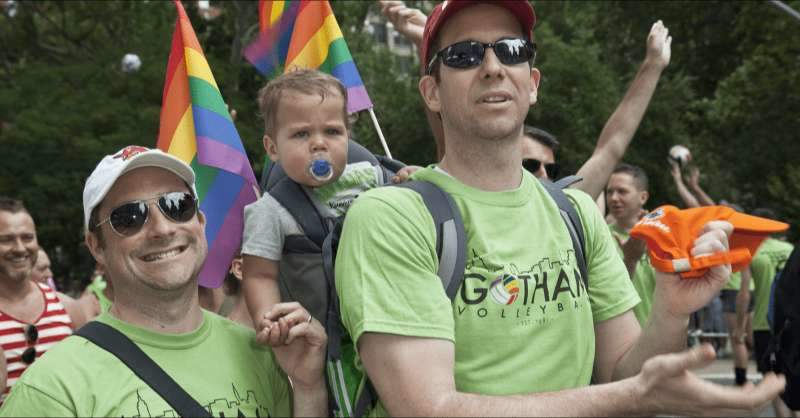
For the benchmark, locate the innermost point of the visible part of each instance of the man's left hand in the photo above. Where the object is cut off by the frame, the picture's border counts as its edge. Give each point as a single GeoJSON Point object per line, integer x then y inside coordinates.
{"type": "Point", "coordinates": [681, 297]}
{"type": "Point", "coordinates": [298, 341]}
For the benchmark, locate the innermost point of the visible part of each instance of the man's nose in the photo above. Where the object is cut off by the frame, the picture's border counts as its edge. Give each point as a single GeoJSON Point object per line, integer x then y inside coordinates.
{"type": "Point", "coordinates": [491, 65]}
{"type": "Point", "coordinates": [159, 224]}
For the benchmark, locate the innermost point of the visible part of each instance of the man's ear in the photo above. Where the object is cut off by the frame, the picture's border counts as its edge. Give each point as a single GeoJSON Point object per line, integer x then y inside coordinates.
{"type": "Point", "coordinates": [271, 147]}
{"type": "Point", "coordinates": [536, 76]}
{"type": "Point", "coordinates": [430, 93]}
{"type": "Point", "coordinates": [201, 217]}
{"type": "Point", "coordinates": [93, 244]}
{"type": "Point", "coordinates": [644, 196]}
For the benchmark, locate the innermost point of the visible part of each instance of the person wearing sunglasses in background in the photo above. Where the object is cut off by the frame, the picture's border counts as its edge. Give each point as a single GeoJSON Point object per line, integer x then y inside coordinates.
{"type": "Point", "coordinates": [522, 336]}
{"type": "Point", "coordinates": [33, 317]}
{"type": "Point", "coordinates": [539, 153]}
{"type": "Point", "coordinates": [541, 146]}
{"type": "Point", "coordinates": [144, 226]}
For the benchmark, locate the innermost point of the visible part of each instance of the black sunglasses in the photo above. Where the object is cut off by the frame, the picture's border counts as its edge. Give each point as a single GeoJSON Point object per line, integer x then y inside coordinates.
{"type": "Point", "coordinates": [31, 336]}
{"type": "Point", "coordinates": [468, 54]}
{"type": "Point", "coordinates": [127, 219]}
{"type": "Point", "coordinates": [532, 165]}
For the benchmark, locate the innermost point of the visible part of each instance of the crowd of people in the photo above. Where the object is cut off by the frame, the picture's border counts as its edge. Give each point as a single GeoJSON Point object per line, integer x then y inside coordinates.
{"type": "Point", "coordinates": [538, 324]}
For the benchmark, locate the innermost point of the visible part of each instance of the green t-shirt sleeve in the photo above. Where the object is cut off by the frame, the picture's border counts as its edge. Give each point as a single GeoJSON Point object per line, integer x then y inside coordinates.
{"type": "Point", "coordinates": [611, 292]}
{"type": "Point", "coordinates": [386, 268]}
{"type": "Point", "coordinates": [28, 401]}
{"type": "Point", "coordinates": [282, 399]}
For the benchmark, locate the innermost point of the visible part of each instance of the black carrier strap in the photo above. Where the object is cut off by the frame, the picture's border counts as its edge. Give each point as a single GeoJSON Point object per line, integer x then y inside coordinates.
{"type": "Point", "coordinates": [571, 220]}
{"type": "Point", "coordinates": [116, 343]}
{"type": "Point", "coordinates": [451, 238]}
{"type": "Point", "coordinates": [451, 249]}
{"type": "Point", "coordinates": [295, 200]}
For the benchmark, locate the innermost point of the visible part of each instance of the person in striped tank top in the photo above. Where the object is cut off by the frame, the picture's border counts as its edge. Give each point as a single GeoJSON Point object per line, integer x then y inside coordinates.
{"type": "Point", "coordinates": [33, 317]}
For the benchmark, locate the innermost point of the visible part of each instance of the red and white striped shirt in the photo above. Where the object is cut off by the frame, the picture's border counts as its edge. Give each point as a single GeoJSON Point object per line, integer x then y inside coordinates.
{"type": "Point", "coordinates": [53, 325]}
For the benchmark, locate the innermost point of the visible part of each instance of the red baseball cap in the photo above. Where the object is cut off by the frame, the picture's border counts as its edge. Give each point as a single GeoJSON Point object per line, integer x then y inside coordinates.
{"type": "Point", "coordinates": [521, 9]}
{"type": "Point", "coordinates": [670, 234]}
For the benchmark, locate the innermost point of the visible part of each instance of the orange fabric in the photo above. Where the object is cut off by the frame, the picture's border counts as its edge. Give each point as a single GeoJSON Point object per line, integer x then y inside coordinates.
{"type": "Point", "coordinates": [670, 234]}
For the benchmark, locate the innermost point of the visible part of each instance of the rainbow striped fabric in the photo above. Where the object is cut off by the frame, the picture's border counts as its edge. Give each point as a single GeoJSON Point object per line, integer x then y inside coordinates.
{"type": "Point", "coordinates": [197, 128]}
{"type": "Point", "coordinates": [305, 34]}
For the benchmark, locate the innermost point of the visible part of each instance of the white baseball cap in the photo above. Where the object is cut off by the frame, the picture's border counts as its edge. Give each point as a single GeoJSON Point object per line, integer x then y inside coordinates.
{"type": "Point", "coordinates": [129, 158]}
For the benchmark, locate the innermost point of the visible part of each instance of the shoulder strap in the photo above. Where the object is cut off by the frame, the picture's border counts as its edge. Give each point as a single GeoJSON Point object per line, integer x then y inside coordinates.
{"type": "Point", "coordinates": [571, 220]}
{"type": "Point", "coordinates": [292, 197]}
{"type": "Point", "coordinates": [567, 181]}
{"type": "Point", "coordinates": [451, 238]}
{"type": "Point", "coordinates": [116, 343]}
{"type": "Point", "coordinates": [451, 249]}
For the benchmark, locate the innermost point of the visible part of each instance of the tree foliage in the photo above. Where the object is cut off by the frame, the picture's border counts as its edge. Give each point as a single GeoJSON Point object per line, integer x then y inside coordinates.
{"type": "Point", "coordinates": [731, 94]}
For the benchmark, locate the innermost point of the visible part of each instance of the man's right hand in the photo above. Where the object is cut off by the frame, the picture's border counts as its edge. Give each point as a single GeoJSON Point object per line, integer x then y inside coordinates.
{"type": "Point", "coordinates": [659, 45]}
{"type": "Point", "coordinates": [668, 385]}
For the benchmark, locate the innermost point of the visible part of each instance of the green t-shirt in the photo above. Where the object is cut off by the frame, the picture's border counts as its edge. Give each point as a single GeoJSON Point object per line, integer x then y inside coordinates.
{"type": "Point", "coordinates": [522, 321]}
{"type": "Point", "coordinates": [735, 282]}
{"type": "Point", "coordinates": [219, 365]}
{"type": "Point", "coordinates": [770, 257]}
{"type": "Point", "coordinates": [98, 287]}
{"type": "Point", "coordinates": [644, 278]}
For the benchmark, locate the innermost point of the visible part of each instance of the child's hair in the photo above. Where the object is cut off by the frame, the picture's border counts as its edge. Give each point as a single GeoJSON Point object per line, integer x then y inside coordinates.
{"type": "Point", "coordinates": [303, 81]}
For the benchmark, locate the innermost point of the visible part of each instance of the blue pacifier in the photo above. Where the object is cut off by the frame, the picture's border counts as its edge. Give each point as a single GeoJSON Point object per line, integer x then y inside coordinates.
{"type": "Point", "coordinates": [321, 170]}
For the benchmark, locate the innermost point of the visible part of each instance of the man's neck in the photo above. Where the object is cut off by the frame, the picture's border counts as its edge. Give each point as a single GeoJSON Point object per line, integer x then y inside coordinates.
{"type": "Point", "coordinates": [626, 224]}
{"type": "Point", "coordinates": [173, 312]}
{"type": "Point", "coordinates": [14, 290]}
{"type": "Point", "coordinates": [489, 165]}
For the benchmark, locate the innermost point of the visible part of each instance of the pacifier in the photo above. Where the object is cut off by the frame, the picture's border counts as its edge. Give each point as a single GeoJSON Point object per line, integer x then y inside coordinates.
{"type": "Point", "coordinates": [321, 170]}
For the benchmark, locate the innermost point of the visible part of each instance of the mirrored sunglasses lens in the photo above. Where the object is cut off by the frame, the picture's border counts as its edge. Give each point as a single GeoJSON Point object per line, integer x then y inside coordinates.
{"type": "Point", "coordinates": [178, 206]}
{"type": "Point", "coordinates": [463, 54]}
{"type": "Point", "coordinates": [513, 51]}
{"type": "Point", "coordinates": [129, 218]}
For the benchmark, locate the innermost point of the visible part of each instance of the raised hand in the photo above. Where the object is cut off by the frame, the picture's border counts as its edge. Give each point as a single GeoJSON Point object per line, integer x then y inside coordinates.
{"type": "Point", "coordinates": [669, 385]}
{"type": "Point", "coordinates": [659, 45]}
{"type": "Point", "coordinates": [409, 22]}
{"type": "Point", "coordinates": [298, 341]}
{"type": "Point", "coordinates": [681, 297]}
{"type": "Point", "coordinates": [675, 170]}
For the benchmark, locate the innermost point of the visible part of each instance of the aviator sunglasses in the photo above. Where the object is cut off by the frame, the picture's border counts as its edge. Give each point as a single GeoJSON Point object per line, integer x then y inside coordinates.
{"type": "Point", "coordinates": [31, 336]}
{"type": "Point", "coordinates": [468, 54]}
{"type": "Point", "coordinates": [532, 165]}
{"type": "Point", "coordinates": [128, 218]}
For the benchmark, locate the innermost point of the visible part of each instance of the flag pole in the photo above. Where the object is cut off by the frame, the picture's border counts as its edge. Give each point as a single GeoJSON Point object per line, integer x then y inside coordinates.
{"type": "Point", "coordinates": [380, 133]}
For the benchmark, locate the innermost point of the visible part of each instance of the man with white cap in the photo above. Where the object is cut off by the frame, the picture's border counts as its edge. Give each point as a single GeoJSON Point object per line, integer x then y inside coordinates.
{"type": "Point", "coordinates": [143, 225]}
{"type": "Point", "coordinates": [523, 335]}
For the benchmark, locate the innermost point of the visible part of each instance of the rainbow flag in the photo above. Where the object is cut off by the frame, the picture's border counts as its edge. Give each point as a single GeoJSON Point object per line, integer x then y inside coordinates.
{"type": "Point", "coordinates": [197, 128]}
{"type": "Point", "coordinates": [305, 34]}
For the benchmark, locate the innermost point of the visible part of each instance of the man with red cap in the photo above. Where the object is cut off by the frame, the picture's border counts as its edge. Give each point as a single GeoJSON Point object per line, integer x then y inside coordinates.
{"type": "Point", "coordinates": [524, 335]}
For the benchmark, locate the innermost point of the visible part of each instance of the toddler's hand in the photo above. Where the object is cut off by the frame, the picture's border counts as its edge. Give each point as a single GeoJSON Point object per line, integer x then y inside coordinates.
{"type": "Point", "coordinates": [403, 174]}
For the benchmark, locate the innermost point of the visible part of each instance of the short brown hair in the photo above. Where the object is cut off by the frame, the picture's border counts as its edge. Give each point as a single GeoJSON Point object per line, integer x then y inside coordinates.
{"type": "Point", "coordinates": [637, 173]}
{"type": "Point", "coordinates": [302, 81]}
{"type": "Point", "coordinates": [541, 136]}
{"type": "Point", "coordinates": [8, 204]}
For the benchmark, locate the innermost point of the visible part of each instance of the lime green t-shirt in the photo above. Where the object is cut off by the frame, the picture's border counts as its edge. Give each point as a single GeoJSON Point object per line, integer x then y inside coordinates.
{"type": "Point", "coordinates": [735, 282]}
{"type": "Point", "coordinates": [98, 287]}
{"type": "Point", "coordinates": [770, 257]}
{"type": "Point", "coordinates": [644, 278]}
{"type": "Point", "coordinates": [219, 365]}
{"type": "Point", "coordinates": [522, 320]}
